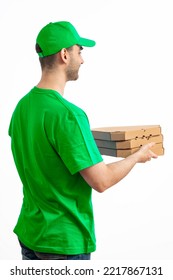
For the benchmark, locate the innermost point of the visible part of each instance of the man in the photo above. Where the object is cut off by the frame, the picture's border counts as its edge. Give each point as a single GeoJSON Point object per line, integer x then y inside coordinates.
{"type": "Point", "coordinates": [57, 158]}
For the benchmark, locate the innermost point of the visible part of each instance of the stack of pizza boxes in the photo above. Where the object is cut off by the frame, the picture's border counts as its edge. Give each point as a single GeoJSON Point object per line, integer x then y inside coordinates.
{"type": "Point", "coordinates": [124, 141]}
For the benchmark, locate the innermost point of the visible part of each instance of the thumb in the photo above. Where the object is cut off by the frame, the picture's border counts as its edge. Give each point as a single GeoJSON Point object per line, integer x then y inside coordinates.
{"type": "Point", "coordinates": [151, 144]}
{"type": "Point", "coordinates": [152, 154]}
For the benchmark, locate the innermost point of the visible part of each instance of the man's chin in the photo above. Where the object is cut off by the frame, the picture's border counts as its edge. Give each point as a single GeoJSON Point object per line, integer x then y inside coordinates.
{"type": "Point", "coordinates": [74, 78]}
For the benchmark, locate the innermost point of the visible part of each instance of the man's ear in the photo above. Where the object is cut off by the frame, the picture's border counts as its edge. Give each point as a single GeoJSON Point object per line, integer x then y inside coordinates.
{"type": "Point", "coordinates": [64, 55]}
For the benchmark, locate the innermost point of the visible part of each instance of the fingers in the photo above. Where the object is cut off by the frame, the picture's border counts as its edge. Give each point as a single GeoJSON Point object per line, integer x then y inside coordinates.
{"type": "Point", "coordinates": [152, 154]}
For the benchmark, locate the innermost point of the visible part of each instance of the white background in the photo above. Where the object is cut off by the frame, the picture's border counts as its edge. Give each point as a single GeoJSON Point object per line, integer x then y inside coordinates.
{"type": "Point", "coordinates": [127, 79]}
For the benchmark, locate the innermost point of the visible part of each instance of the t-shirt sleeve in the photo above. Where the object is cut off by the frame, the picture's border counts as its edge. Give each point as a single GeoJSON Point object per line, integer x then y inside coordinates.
{"type": "Point", "coordinates": [75, 143]}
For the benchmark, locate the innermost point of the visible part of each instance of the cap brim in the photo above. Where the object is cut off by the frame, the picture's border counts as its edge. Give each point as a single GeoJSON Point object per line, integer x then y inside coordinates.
{"type": "Point", "coordinates": [86, 42]}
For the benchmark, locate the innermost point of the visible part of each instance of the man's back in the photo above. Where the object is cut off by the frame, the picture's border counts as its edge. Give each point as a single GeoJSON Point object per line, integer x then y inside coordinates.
{"type": "Point", "coordinates": [48, 145]}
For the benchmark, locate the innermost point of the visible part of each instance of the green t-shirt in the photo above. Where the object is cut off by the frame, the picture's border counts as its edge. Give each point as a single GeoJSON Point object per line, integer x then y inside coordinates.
{"type": "Point", "coordinates": [51, 142]}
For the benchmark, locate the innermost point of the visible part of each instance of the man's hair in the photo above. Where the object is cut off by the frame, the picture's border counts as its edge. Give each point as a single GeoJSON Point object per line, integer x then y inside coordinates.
{"type": "Point", "coordinates": [48, 62]}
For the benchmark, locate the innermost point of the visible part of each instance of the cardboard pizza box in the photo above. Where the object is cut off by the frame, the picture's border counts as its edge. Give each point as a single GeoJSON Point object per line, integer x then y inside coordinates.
{"type": "Point", "coordinates": [157, 148]}
{"type": "Point", "coordinates": [128, 144]}
{"type": "Point", "coordinates": [125, 132]}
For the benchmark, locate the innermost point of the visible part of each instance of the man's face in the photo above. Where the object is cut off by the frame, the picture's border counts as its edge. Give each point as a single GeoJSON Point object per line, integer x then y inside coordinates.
{"type": "Point", "coordinates": [75, 61]}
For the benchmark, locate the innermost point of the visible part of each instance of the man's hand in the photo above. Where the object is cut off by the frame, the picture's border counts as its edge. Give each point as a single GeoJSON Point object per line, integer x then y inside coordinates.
{"type": "Point", "coordinates": [145, 154]}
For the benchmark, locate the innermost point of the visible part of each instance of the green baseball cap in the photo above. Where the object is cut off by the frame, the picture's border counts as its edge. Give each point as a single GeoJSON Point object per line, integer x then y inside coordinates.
{"type": "Point", "coordinates": [58, 35]}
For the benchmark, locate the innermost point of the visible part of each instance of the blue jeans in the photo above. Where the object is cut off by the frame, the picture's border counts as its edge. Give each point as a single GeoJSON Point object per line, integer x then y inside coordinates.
{"type": "Point", "coordinates": [28, 254]}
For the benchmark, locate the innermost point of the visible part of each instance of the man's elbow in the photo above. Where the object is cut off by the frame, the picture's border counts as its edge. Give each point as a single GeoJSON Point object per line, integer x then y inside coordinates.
{"type": "Point", "coordinates": [98, 177]}
{"type": "Point", "coordinates": [100, 187]}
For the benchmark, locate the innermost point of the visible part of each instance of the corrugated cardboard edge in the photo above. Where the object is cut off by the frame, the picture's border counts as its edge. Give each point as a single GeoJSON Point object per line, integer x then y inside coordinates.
{"type": "Point", "coordinates": [125, 132]}
{"type": "Point", "coordinates": [128, 144]}
{"type": "Point", "coordinates": [158, 149]}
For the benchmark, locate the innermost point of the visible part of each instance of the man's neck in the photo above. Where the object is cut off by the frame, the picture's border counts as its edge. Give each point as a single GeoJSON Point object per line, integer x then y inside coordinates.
{"type": "Point", "coordinates": [50, 81]}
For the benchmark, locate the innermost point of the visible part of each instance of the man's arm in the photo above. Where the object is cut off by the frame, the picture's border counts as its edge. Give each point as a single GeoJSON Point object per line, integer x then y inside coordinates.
{"type": "Point", "coordinates": [102, 176]}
